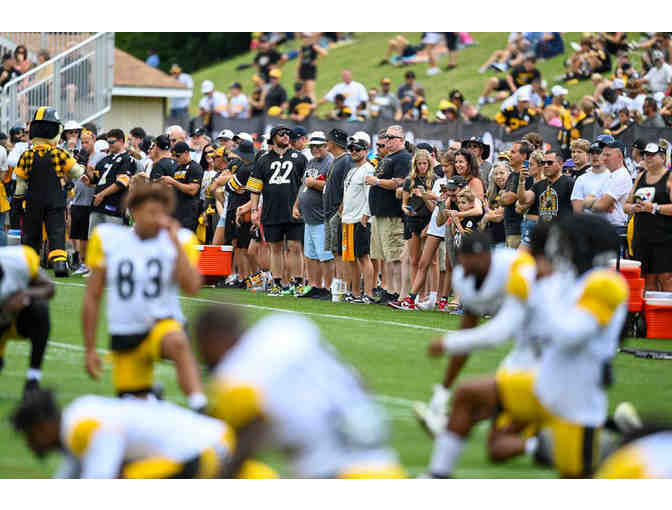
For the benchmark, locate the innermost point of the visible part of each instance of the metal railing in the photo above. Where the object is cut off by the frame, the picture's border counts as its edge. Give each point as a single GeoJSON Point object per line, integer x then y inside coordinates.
{"type": "Point", "coordinates": [77, 82]}
{"type": "Point", "coordinates": [52, 42]}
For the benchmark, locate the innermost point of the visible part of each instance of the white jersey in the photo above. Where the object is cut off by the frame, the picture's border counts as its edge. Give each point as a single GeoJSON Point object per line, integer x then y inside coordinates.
{"type": "Point", "coordinates": [646, 457]}
{"type": "Point", "coordinates": [312, 404]}
{"type": "Point", "coordinates": [105, 433]}
{"type": "Point", "coordinates": [583, 333]}
{"type": "Point", "coordinates": [20, 265]}
{"type": "Point", "coordinates": [139, 275]}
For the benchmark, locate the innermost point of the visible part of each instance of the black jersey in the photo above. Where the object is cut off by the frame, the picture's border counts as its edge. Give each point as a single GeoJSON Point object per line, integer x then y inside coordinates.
{"type": "Point", "coordinates": [113, 169]}
{"type": "Point", "coordinates": [237, 186]}
{"type": "Point", "coordinates": [187, 205]}
{"type": "Point", "coordinates": [278, 179]}
{"type": "Point", "coordinates": [163, 167]}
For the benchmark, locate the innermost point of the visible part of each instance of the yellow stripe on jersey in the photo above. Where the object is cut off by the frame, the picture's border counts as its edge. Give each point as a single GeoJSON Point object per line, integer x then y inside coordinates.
{"type": "Point", "coordinates": [33, 261]}
{"type": "Point", "coordinates": [152, 468]}
{"type": "Point", "coordinates": [238, 405]}
{"type": "Point", "coordinates": [81, 434]}
{"type": "Point", "coordinates": [190, 248]}
{"type": "Point", "coordinates": [123, 179]}
{"type": "Point", "coordinates": [603, 293]}
{"type": "Point", "coordinates": [95, 256]}
{"type": "Point", "coordinates": [520, 275]}
{"type": "Point", "coordinates": [624, 463]}
{"type": "Point", "coordinates": [253, 469]}
{"type": "Point", "coordinates": [255, 185]}
{"type": "Point", "coordinates": [364, 472]}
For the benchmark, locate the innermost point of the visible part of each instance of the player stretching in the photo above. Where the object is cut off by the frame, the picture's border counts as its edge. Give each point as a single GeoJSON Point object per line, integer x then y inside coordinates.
{"type": "Point", "coordinates": [24, 312]}
{"type": "Point", "coordinates": [144, 268]}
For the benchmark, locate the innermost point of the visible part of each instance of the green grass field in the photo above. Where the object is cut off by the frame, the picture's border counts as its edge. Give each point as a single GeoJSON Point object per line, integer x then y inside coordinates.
{"type": "Point", "coordinates": [369, 48]}
{"type": "Point", "coordinates": [385, 345]}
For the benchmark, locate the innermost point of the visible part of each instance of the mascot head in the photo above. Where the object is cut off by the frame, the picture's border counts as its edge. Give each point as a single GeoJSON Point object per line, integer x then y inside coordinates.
{"type": "Point", "coordinates": [46, 125]}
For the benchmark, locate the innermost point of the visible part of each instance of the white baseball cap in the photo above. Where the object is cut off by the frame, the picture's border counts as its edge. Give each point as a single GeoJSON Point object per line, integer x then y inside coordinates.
{"type": "Point", "coordinates": [362, 136]}
{"type": "Point", "coordinates": [243, 136]}
{"type": "Point", "coordinates": [225, 133]}
{"type": "Point", "coordinates": [101, 146]}
{"type": "Point", "coordinates": [317, 138]}
{"type": "Point", "coordinates": [207, 86]}
{"type": "Point", "coordinates": [524, 95]}
{"type": "Point", "coordinates": [558, 90]}
{"type": "Point", "coordinates": [72, 125]}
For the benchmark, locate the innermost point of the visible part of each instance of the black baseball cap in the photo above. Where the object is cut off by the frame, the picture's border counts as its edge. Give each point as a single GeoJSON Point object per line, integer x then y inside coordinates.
{"type": "Point", "coordinates": [245, 150]}
{"type": "Point", "coordinates": [425, 147]}
{"type": "Point", "coordinates": [279, 129]}
{"type": "Point", "coordinates": [339, 137]}
{"type": "Point", "coordinates": [409, 74]}
{"type": "Point", "coordinates": [616, 144]}
{"type": "Point", "coordinates": [199, 132]}
{"type": "Point", "coordinates": [162, 142]}
{"type": "Point", "coordinates": [236, 85]}
{"type": "Point", "coordinates": [456, 181]}
{"type": "Point", "coordinates": [595, 148]}
{"type": "Point", "coordinates": [298, 132]}
{"type": "Point", "coordinates": [180, 148]}
{"type": "Point", "coordinates": [639, 144]}
{"type": "Point", "coordinates": [474, 243]}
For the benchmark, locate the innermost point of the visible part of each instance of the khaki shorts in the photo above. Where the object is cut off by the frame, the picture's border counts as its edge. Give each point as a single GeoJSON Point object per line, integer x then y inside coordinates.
{"type": "Point", "coordinates": [387, 238]}
{"type": "Point", "coordinates": [331, 237]}
{"type": "Point", "coordinates": [513, 242]}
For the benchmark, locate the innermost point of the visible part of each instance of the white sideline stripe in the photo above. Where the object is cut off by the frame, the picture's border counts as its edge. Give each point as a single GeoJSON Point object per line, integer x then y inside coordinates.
{"type": "Point", "coordinates": [315, 314]}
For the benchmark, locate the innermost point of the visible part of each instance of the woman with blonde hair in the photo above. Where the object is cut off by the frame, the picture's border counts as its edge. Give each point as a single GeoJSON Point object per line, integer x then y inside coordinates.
{"type": "Point", "coordinates": [493, 219]}
{"type": "Point", "coordinates": [532, 175]}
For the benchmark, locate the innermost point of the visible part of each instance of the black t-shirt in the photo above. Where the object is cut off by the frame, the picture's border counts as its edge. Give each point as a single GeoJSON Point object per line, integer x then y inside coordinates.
{"type": "Point", "coordinates": [417, 203]}
{"type": "Point", "coordinates": [300, 105]}
{"type": "Point", "coordinates": [511, 218]}
{"type": "Point", "coordinates": [332, 194]}
{"type": "Point", "coordinates": [469, 225]}
{"type": "Point", "coordinates": [554, 200]}
{"type": "Point", "coordinates": [383, 202]}
{"type": "Point", "coordinates": [7, 75]}
{"type": "Point", "coordinates": [163, 167]}
{"type": "Point", "coordinates": [113, 169]}
{"type": "Point", "coordinates": [522, 77]}
{"type": "Point", "coordinates": [265, 61]}
{"type": "Point", "coordinates": [278, 179]}
{"type": "Point", "coordinates": [653, 228]}
{"type": "Point", "coordinates": [308, 56]}
{"type": "Point", "coordinates": [187, 206]}
{"type": "Point", "coordinates": [237, 183]}
{"type": "Point", "coordinates": [275, 96]}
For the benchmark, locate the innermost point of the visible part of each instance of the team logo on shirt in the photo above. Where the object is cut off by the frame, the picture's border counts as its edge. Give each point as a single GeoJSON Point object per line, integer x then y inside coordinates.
{"type": "Point", "coordinates": [548, 204]}
{"type": "Point", "coordinates": [295, 155]}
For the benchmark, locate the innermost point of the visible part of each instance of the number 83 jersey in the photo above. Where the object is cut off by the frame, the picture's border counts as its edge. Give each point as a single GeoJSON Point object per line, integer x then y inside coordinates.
{"type": "Point", "coordinates": [139, 276]}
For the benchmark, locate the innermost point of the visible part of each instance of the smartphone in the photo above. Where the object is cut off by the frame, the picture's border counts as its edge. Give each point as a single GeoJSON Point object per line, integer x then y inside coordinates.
{"type": "Point", "coordinates": [410, 209]}
{"type": "Point", "coordinates": [441, 205]}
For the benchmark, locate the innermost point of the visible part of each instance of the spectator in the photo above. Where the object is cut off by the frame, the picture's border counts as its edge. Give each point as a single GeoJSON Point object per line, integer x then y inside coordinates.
{"type": "Point", "coordinates": [239, 106]}
{"type": "Point", "coordinates": [591, 58]}
{"type": "Point", "coordinates": [659, 76]}
{"type": "Point", "coordinates": [257, 97]}
{"type": "Point", "coordinates": [592, 182]}
{"type": "Point", "coordinates": [470, 114]}
{"type": "Point", "coordinates": [8, 71]}
{"type": "Point", "coordinates": [275, 96]}
{"type": "Point", "coordinates": [309, 52]}
{"type": "Point", "coordinates": [535, 91]}
{"type": "Point", "coordinates": [406, 92]}
{"type": "Point", "coordinates": [519, 76]}
{"type": "Point", "coordinates": [447, 112]}
{"type": "Point", "coordinates": [355, 214]}
{"type": "Point", "coordinates": [186, 181]}
{"type": "Point", "coordinates": [386, 103]}
{"type": "Point", "coordinates": [493, 219]}
{"type": "Point", "coordinates": [434, 164]}
{"type": "Point", "coordinates": [153, 59]}
{"type": "Point", "coordinates": [515, 117]}
{"type": "Point", "coordinates": [301, 105]}
{"type": "Point", "coordinates": [111, 177]}
{"type": "Point", "coordinates": [4, 202]}
{"type": "Point", "coordinates": [480, 151]}
{"type": "Point", "coordinates": [550, 45]}
{"type": "Point", "coordinates": [616, 189]}
{"type": "Point", "coordinates": [553, 193]}
{"type": "Point", "coordinates": [176, 134]}
{"type": "Point", "coordinates": [535, 141]}
{"type": "Point", "coordinates": [666, 111]}
{"type": "Point", "coordinates": [465, 220]}
{"type": "Point", "coordinates": [197, 143]}
{"type": "Point", "coordinates": [419, 109]}
{"type": "Point", "coordinates": [353, 91]}
{"type": "Point", "coordinates": [267, 59]}
{"type": "Point", "coordinates": [310, 203]}
{"type": "Point", "coordinates": [652, 119]}
{"type": "Point", "coordinates": [387, 227]}
{"type": "Point", "coordinates": [519, 154]}
{"type": "Point", "coordinates": [212, 104]}
{"type": "Point", "coordinates": [225, 139]}
{"type": "Point", "coordinates": [298, 139]}
{"type": "Point", "coordinates": [615, 42]}
{"type": "Point", "coordinates": [649, 201]}
{"type": "Point", "coordinates": [457, 98]}
{"type": "Point", "coordinates": [163, 164]}
{"type": "Point", "coordinates": [341, 111]}
{"type": "Point", "coordinates": [528, 178]}
{"type": "Point", "coordinates": [23, 63]}
{"type": "Point", "coordinates": [502, 59]}
{"type": "Point", "coordinates": [399, 50]}
{"type": "Point", "coordinates": [580, 155]}
{"type": "Point", "coordinates": [467, 167]}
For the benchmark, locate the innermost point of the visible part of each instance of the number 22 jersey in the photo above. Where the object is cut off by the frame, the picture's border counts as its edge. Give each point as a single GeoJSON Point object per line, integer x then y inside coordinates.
{"type": "Point", "coordinates": [139, 276]}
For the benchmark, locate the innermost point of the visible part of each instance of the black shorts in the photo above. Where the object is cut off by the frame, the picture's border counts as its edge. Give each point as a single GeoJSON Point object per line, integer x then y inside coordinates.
{"type": "Point", "coordinates": [655, 258]}
{"type": "Point", "coordinates": [79, 222]}
{"type": "Point", "coordinates": [307, 72]}
{"type": "Point", "coordinates": [451, 40]}
{"type": "Point", "coordinates": [283, 231]}
{"type": "Point", "coordinates": [503, 85]}
{"type": "Point", "coordinates": [415, 225]}
{"type": "Point", "coordinates": [241, 233]}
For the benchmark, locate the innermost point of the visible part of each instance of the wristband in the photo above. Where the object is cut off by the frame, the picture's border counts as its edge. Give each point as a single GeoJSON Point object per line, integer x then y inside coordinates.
{"type": "Point", "coordinates": [377, 181]}
{"type": "Point", "coordinates": [655, 208]}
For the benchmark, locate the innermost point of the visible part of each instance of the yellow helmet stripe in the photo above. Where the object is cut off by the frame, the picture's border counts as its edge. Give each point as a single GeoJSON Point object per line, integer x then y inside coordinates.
{"type": "Point", "coordinates": [39, 115]}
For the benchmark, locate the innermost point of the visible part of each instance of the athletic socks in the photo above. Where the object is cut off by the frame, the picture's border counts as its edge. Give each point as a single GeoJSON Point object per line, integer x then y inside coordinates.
{"type": "Point", "coordinates": [298, 280]}
{"type": "Point", "coordinates": [197, 401]}
{"type": "Point", "coordinates": [447, 449]}
{"type": "Point", "coordinates": [34, 374]}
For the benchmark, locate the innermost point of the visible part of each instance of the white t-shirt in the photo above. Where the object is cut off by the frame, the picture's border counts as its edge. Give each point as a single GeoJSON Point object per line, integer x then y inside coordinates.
{"type": "Point", "coordinates": [240, 107]}
{"type": "Point", "coordinates": [182, 102]}
{"type": "Point", "coordinates": [618, 187]}
{"type": "Point", "coordinates": [354, 93]}
{"type": "Point", "coordinates": [211, 103]}
{"type": "Point", "coordinates": [659, 79]}
{"type": "Point", "coordinates": [613, 109]}
{"type": "Point", "coordinates": [590, 184]}
{"type": "Point", "coordinates": [434, 229]}
{"type": "Point", "coordinates": [512, 100]}
{"type": "Point", "coordinates": [3, 159]}
{"type": "Point", "coordinates": [356, 194]}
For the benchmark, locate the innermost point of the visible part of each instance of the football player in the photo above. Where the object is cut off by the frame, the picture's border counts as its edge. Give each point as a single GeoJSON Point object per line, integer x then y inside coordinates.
{"type": "Point", "coordinates": [105, 437]}
{"type": "Point", "coordinates": [277, 385]}
{"type": "Point", "coordinates": [646, 454]}
{"type": "Point", "coordinates": [144, 268]}
{"type": "Point", "coordinates": [24, 312]}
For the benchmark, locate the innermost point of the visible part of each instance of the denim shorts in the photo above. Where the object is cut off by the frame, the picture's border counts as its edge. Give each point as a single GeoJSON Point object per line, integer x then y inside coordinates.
{"type": "Point", "coordinates": [313, 243]}
{"type": "Point", "coordinates": [526, 228]}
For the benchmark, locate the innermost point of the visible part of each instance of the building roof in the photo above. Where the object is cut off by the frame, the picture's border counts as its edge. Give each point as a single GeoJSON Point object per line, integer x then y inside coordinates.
{"type": "Point", "coordinates": [132, 77]}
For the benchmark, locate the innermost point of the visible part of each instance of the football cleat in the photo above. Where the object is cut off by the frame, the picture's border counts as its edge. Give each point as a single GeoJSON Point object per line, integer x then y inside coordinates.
{"type": "Point", "coordinates": [425, 306]}
{"type": "Point", "coordinates": [60, 268]}
{"type": "Point", "coordinates": [275, 291]}
{"type": "Point", "coordinates": [433, 423]}
{"type": "Point", "coordinates": [626, 418]}
{"type": "Point", "coordinates": [405, 304]}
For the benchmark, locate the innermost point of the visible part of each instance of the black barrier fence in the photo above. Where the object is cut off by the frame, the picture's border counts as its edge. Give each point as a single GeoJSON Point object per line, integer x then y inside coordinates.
{"type": "Point", "coordinates": [434, 133]}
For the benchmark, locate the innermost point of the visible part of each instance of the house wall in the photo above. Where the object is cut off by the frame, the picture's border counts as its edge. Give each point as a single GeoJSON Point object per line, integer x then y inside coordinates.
{"type": "Point", "coordinates": [128, 112]}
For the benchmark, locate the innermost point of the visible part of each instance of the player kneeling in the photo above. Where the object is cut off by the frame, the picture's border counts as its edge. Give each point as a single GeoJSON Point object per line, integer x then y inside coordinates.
{"type": "Point", "coordinates": [144, 268]}
{"type": "Point", "coordinates": [24, 312]}
{"type": "Point", "coordinates": [278, 386]}
{"type": "Point", "coordinates": [127, 438]}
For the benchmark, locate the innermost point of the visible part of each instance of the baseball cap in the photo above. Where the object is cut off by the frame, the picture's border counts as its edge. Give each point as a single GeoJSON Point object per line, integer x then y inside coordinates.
{"type": "Point", "coordinates": [444, 104]}
{"type": "Point", "coordinates": [235, 85]}
{"type": "Point", "coordinates": [386, 81]}
{"type": "Point", "coordinates": [618, 84]}
{"type": "Point", "coordinates": [639, 144]}
{"type": "Point", "coordinates": [360, 138]}
{"type": "Point", "coordinates": [409, 74]}
{"type": "Point", "coordinates": [523, 96]}
{"type": "Point", "coordinates": [245, 150]}
{"type": "Point", "coordinates": [243, 136]}
{"type": "Point", "coordinates": [558, 90]}
{"type": "Point", "coordinates": [617, 144]}
{"type": "Point", "coordinates": [653, 148]}
{"type": "Point", "coordinates": [275, 73]}
{"type": "Point", "coordinates": [199, 132]}
{"type": "Point", "coordinates": [278, 129]}
{"type": "Point", "coordinates": [180, 148]}
{"type": "Point", "coordinates": [339, 137]}
{"type": "Point", "coordinates": [595, 148]}
{"type": "Point", "coordinates": [225, 133]}
{"type": "Point", "coordinates": [207, 86]}
{"type": "Point", "coordinates": [72, 125]}
{"type": "Point", "coordinates": [425, 147]}
{"type": "Point", "coordinates": [101, 146]}
{"type": "Point", "coordinates": [605, 139]}
{"type": "Point", "coordinates": [657, 54]}
{"type": "Point", "coordinates": [569, 164]}
{"type": "Point", "coordinates": [456, 181]}
{"type": "Point", "coordinates": [162, 142]}
{"type": "Point", "coordinates": [317, 138]}
{"type": "Point", "coordinates": [175, 69]}
{"type": "Point", "coordinates": [274, 111]}
{"type": "Point", "coordinates": [298, 132]}
{"type": "Point", "coordinates": [474, 243]}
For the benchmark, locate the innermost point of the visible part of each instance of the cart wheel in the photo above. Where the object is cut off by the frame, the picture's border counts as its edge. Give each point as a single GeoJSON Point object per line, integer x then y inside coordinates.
{"type": "Point", "coordinates": [640, 326]}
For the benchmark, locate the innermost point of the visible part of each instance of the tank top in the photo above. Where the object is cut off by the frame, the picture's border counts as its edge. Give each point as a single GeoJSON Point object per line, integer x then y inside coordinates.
{"type": "Point", "coordinates": [653, 228]}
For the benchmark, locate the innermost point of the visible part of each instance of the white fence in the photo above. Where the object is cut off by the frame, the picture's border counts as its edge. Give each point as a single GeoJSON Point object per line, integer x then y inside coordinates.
{"type": "Point", "coordinates": [77, 82]}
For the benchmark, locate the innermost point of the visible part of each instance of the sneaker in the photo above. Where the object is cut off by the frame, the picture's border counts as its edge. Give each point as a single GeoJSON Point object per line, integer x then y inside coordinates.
{"type": "Point", "coordinates": [363, 300]}
{"type": "Point", "coordinates": [425, 306]}
{"type": "Point", "coordinates": [457, 311]}
{"type": "Point", "coordinates": [301, 289]}
{"type": "Point", "coordinates": [325, 295]}
{"type": "Point", "coordinates": [275, 291]}
{"type": "Point", "coordinates": [450, 67]}
{"type": "Point", "coordinates": [431, 421]}
{"type": "Point", "coordinates": [348, 297]}
{"type": "Point", "coordinates": [627, 419]}
{"type": "Point", "coordinates": [442, 304]}
{"type": "Point", "coordinates": [312, 293]}
{"type": "Point", "coordinates": [383, 62]}
{"type": "Point", "coordinates": [405, 304]}
{"type": "Point", "coordinates": [289, 290]}
{"type": "Point", "coordinates": [81, 270]}
{"type": "Point", "coordinates": [432, 71]}
{"type": "Point", "coordinates": [232, 278]}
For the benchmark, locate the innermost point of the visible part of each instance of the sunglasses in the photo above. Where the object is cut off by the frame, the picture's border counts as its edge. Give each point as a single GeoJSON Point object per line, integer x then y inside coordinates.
{"type": "Point", "coordinates": [111, 141]}
{"type": "Point", "coordinates": [392, 137]}
{"type": "Point", "coordinates": [380, 145]}
{"type": "Point", "coordinates": [284, 133]}
{"type": "Point", "coordinates": [549, 162]}
{"type": "Point", "coordinates": [355, 148]}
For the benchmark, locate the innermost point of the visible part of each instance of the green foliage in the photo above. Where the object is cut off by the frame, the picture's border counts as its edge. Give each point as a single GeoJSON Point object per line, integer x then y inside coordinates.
{"type": "Point", "coordinates": [191, 50]}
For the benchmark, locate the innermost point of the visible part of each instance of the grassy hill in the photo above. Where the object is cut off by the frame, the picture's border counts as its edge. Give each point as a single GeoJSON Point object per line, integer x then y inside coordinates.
{"type": "Point", "coordinates": [368, 49]}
